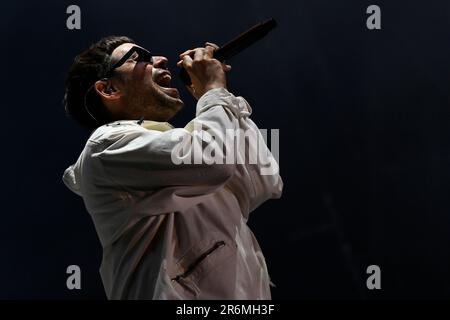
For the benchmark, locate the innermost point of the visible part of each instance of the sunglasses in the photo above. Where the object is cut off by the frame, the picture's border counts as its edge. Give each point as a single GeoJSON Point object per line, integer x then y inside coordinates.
{"type": "Point", "coordinates": [136, 53]}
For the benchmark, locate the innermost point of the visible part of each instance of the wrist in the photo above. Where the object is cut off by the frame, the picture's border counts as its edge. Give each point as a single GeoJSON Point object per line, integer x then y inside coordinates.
{"type": "Point", "coordinates": [214, 85]}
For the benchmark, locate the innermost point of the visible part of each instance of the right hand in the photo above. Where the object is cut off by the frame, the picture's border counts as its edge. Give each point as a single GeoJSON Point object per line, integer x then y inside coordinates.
{"type": "Point", "coordinates": [206, 73]}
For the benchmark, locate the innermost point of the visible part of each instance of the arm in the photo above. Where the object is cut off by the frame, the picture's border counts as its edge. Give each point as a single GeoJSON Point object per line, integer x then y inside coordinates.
{"type": "Point", "coordinates": [254, 182]}
{"type": "Point", "coordinates": [140, 159]}
{"type": "Point", "coordinates": [144, 159]}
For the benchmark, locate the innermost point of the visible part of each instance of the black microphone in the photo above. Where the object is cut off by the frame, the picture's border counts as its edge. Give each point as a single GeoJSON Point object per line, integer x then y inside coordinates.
{"type": "Point", "coordinates": [238, 44]}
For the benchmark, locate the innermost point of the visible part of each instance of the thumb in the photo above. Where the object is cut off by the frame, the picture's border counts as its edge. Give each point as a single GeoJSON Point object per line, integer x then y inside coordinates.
{"type": "Point", "coordinates": [191, 89]}
{"type": "Point", "coordinates": [226, 67]}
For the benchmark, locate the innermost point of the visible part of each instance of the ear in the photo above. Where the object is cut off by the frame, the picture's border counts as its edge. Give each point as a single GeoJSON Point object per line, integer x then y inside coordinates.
{"type": "Point", "coordinates": [106, 91]}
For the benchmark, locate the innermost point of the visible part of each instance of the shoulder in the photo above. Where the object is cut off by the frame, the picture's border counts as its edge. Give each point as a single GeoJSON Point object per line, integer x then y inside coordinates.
{"type": "Point", "coordinates": [116, 130]}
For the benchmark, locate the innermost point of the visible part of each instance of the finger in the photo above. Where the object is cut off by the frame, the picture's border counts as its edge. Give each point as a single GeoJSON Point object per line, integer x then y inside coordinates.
{"type": "Point", "coordinates": [215, 46]}
{"type": "Point", "coordinates": [199, 53]}
{"type": "Point", "coordinates": [179, 63]}
{"type": "Point", "coordinates": [187, 62]}
{"type": "Point", "coordinates": [192, 91]}
{"type": "Point", "coordinates": [190, 52]}
{"type": "Point", "coordinates": [209, 51]}
{"type": "Point", "coordinates": [226, 67]}
{"type": "Point", "coordinates": [187, 52]}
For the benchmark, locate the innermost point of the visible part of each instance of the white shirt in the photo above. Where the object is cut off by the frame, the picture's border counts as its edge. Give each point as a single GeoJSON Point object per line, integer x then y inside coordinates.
{"type": "Point", "coordinates": [175, 231]}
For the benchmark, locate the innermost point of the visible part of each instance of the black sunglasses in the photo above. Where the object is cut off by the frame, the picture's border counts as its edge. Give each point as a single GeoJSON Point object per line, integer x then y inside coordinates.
{"type": "Point", "coordinates": [142, 55]}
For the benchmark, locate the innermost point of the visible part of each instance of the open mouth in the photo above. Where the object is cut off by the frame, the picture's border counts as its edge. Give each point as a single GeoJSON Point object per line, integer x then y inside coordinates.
{"type": "Point", "coordinates": [163, 81]}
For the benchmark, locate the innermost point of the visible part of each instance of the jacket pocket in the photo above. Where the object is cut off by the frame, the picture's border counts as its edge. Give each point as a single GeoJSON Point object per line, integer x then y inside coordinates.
{"type": "Point", "coordinates": [194, 266]}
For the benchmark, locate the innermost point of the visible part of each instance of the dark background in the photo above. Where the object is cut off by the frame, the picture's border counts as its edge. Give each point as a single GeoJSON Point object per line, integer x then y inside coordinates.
{"type": "Point", "coordinates": [364, 140]}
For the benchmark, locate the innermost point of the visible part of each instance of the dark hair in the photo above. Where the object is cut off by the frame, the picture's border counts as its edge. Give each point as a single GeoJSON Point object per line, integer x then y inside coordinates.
{"type": "Point", "coordinates": [87, 68]}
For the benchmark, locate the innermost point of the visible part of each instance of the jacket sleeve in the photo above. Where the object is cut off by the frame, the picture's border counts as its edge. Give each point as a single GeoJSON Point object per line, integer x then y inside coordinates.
{"type": "Point", "coordinates": [140, 159]}
{"type": "Point", "coordinates": [256, 178]}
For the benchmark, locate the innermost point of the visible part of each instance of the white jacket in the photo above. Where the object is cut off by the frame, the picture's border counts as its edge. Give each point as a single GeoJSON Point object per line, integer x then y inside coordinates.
{"type": "Point", "coordinates": [175, 231]}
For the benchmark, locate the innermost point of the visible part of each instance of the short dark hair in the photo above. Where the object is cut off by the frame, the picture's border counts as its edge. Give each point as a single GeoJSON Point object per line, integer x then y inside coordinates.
{"type": "Point", "coordinates": [87, 68]}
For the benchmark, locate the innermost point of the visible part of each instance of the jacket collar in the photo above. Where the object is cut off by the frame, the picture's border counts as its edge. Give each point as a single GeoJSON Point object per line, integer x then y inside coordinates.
{"type": "Point", "coordinates": [148, 124]}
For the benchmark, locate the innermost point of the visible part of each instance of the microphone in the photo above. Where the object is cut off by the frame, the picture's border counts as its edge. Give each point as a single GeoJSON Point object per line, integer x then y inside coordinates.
{"type": "Point", "coordinates": [238, 44]}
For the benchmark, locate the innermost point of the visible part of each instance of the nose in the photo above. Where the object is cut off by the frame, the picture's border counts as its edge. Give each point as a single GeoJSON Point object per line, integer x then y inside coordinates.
{"type": "Point", "coordinates": [160, 62]}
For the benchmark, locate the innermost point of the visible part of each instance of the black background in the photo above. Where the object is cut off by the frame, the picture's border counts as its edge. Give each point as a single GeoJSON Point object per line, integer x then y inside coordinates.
{"type": "Point", "coordinates": [364, 140]}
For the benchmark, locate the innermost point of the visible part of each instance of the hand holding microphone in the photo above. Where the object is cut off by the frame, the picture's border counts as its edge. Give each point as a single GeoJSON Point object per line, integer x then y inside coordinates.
{"type": "Point", "coordinates": [201, 66]}
{"type": "Point", "coordinates": [205, 72]}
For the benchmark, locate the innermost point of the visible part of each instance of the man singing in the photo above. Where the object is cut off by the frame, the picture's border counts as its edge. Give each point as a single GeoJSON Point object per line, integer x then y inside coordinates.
{"type": "Point", "coordinates": [170, 228]}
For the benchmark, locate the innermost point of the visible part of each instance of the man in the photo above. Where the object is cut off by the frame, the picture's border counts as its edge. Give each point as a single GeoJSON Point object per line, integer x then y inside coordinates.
{"type": "Point", "coordinates": [169, 229]}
